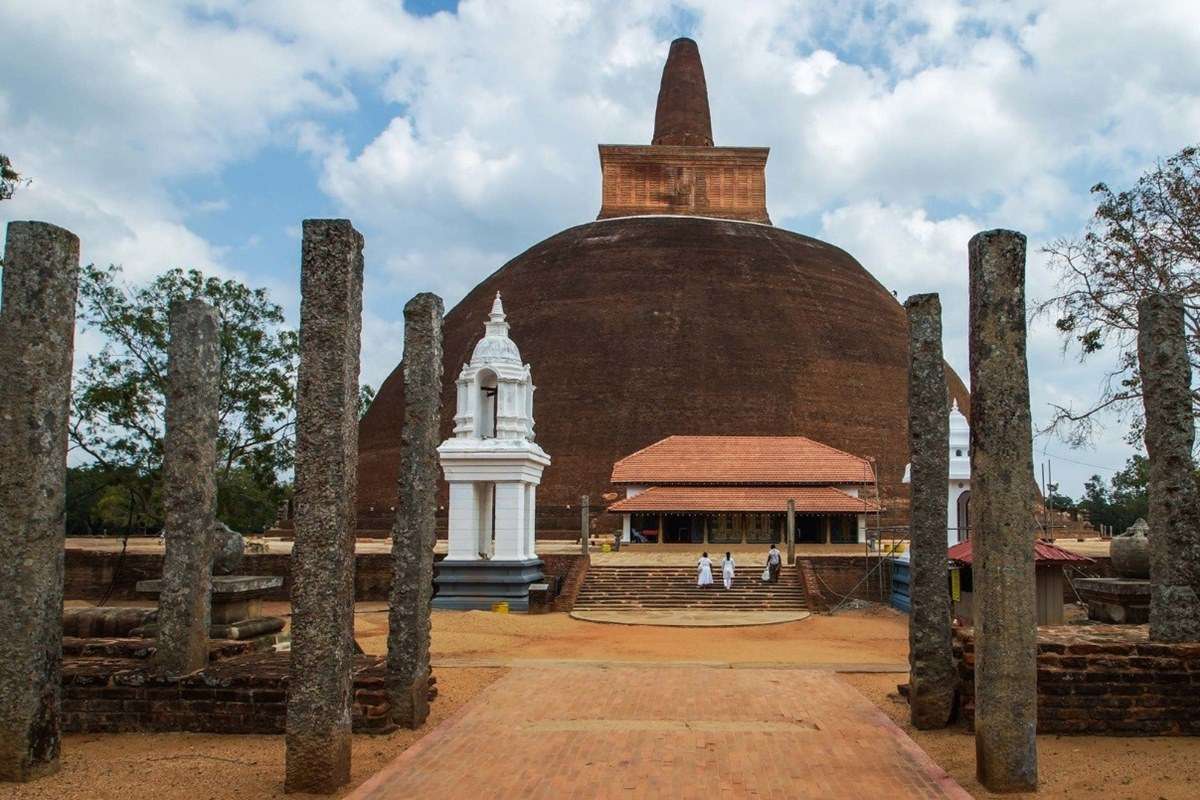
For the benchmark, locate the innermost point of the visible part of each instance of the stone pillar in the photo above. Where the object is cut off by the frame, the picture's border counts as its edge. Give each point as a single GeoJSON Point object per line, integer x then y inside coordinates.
{"type": "Point", "coordinates": [37, 329]}
{"type": "Point", "coordinates": [319, 686]}
{"type": "Point", "coordinates": [1170, 430]}
{"type": "Point", "coordinates": [932, 677]}
{"type": "Point", "coordinates": [1002, 520]}
{"type": "Point", "coordinates": [414, 534]}
{"type": "Point", "coordinates": [585, 522]}
{"type": "Point", "coordinates": [189, 486]}
{"type": "Point", "coordinates": [791, 531]}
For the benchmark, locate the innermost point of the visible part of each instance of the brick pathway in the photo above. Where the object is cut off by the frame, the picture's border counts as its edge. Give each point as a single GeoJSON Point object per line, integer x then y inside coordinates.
{"type": "Point", "coordinates": [664, 733]}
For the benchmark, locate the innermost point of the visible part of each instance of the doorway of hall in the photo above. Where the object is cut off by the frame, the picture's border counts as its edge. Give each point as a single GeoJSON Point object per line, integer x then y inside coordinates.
{"type": "Point", "coordinates": [682, 529]}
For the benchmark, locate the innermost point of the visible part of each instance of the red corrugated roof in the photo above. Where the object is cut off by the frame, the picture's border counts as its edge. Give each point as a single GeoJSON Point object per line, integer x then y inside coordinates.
{"type": "Point", "coordinates": [1043, 553]}
{"type": "Point", "coordinates": [741, 459]}
{"type": "Point", "coordinates": [809, 499]}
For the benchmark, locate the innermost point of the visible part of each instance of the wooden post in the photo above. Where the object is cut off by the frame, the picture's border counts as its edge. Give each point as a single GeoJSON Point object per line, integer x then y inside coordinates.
{"type": "Point", "coordinates": [791, 531]}
{"type": "Point", "coordinates": [660, 528]}
{"type": "Point", "coordinates": [585, 526]}
{"type": "Point", "coordinates": [828, 530]}
{"type": "Point", "coordinates": [705, 529]}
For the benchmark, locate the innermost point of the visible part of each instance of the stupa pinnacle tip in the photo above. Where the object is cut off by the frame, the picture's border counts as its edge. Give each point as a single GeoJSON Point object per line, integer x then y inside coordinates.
{"type": "Point", "coordinates": [682, 116]}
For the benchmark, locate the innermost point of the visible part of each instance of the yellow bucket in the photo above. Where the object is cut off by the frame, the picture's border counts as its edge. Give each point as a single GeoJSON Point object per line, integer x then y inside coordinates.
{"type": "Point", "coordinates": [606, 548]}
{"type": "Point", "coordinates": [500, 607]}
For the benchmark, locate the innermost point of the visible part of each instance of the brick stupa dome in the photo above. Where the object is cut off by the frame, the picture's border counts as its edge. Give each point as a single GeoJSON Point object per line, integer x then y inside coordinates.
{"type": "Point", "coordinates": [677, 316]}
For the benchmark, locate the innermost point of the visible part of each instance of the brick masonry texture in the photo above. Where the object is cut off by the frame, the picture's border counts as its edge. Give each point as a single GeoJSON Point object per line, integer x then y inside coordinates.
{"type": "Point", "coordinates": [1103, 680]}
{"type": "Point", "coordinates": [108, 687]}
{"type": "Point", "coordinates": [775, 331]}
{"type": "Point", "coordinates": [89, 573]}
{"type": "Point", "coordinates": [814, 596]}
{"type": "Point", "coordinates": [570, 570]}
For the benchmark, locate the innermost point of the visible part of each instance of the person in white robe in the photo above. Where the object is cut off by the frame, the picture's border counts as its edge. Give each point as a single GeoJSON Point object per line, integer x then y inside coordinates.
{"type": "Point", "coordinates": [727, 571]}
{"type": "Point", "coordinates": [704, 566]}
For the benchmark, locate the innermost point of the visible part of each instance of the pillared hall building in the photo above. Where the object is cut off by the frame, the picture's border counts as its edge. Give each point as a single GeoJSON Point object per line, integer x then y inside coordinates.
{"type": "Point", "coordinates": [680, 311]}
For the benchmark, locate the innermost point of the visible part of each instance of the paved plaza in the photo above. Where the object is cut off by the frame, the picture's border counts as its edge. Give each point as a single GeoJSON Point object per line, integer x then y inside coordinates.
{"type": "Point", "coordinates": [665, 732]}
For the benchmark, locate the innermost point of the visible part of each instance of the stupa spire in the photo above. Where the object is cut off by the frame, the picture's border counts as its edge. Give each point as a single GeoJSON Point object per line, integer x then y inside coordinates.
{"type": "Point", "coordinates": [682, 116]}
{"type": "Point", "coordinates": [497, 324]}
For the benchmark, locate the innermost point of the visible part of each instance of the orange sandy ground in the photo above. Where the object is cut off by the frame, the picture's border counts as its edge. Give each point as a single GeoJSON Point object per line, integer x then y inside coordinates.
{"type": "Point", "coordinates": [1069, 767]}
{"type": "Point", "coordinates": [197, 767]}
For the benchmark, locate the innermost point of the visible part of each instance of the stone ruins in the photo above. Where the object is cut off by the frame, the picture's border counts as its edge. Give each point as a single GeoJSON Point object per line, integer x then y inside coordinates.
{"type": "Point", "coordinates": [319, 684]}
{"type": "Point", "coordinates": [414, 534]}
{"type": "Point", "coordinates": [37, 335]}
{"type": "Point", "coordinates": [189, 486]}
{"type": "Point", "coordinates": [1174, 506]}
{"type": "Point", "coordinates": [1002, 520]}
{"type": "Point", "coordinates": [932, 677]}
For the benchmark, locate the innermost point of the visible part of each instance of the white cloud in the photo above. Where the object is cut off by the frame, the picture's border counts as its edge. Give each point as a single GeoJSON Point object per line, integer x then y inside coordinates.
{"type": "Point", "coordinates": [898, 128]}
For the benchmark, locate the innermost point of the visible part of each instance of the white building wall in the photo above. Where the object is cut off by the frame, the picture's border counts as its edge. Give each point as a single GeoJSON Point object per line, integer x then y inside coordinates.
{"type": "Point", "coordinates": [463, 522]}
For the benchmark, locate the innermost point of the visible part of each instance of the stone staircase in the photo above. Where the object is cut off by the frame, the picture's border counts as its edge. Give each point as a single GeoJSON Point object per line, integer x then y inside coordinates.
{"type": "Point", "coordinates": [638, 587]}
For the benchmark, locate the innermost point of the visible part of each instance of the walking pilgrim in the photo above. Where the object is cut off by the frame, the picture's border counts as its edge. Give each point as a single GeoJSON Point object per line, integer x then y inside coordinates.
{"type": "Point", "coordinates": [704, 566]}
{"type": "Point", "coordinates": [727, 571]}
{"type": "Point", "coordinates": [774, 562]}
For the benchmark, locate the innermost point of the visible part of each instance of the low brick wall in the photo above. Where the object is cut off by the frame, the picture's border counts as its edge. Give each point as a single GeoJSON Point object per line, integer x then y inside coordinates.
{"type": "Point", "coordinates": [815, 598]}
{"type": "Point", "coordinates": [571, 570]}
{"type": "Point", "coordinates": [1106, 680]}
{"type": "Point", "coordinates": [89, 573]}
{"type": "Point", "coordinates": [111, 688]}
{"type": "Point", "coordinates": [839, 576]}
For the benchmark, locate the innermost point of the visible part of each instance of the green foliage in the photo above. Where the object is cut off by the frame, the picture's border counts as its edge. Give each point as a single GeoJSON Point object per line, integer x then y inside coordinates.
{"type": "Point", "coordinates": [1123, 500]}
{"type": "Point", "coordinates": [102, 501]}
{"type": "Point", "coordinates": [118, 402]}
{"type": "Point", "coordinates": [366, 396]}
{"type": "Point", "coordinates": [1060, 502]}
{"type": "Point", "coordinates": [9, 178]}
{"type": "Point", "coordinates": [248, 504]}
{"type": "Point", "coordinates": [1139, 241]}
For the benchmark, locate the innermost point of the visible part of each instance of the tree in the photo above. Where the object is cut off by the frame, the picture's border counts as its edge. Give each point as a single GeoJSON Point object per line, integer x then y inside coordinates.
{"type": "Point", "coordinates": [1143, 240]}
{"type": "Point", "coordinates": [118, 402]}
{"type": "Point", "coordinates": [9, 178]}
{"type": "Point", "coordinates": [1123, 501]}
{"type": "Point", "coordinates": [366, 396]}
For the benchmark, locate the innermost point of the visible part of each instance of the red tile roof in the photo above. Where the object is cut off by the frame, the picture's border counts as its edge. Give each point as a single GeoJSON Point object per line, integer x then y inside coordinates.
{"type": "Point", "coordinates": [743, 460]}
{"type": "Point", "coordinates": [1043, 553]}
{"type": "Point", "coordinates": [809, 499]}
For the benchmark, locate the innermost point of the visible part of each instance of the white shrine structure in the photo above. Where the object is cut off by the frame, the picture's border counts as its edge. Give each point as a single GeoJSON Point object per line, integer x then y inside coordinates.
{"type": "Point", "coordinates": [493, 467]}
{"type": "Point", "coordinates": [958, 500]}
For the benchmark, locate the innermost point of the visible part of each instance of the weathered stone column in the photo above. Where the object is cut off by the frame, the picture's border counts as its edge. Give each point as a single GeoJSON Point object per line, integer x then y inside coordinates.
{"type": "Point", "coordinates": [414, 535]}
{"type": "Point", "coordinates": [791, 531]}
{"type": "Point", "coordinates": [37, 332]}
{"type": "Point", "coordinates": [1170, 431]}
{"type": "Point", "coordinates": [932, 678]}
{"type": "Point", "coordinates": [319, 686]}
{"type": "Point", "coordinates": [189, 486]}
{"type": "Point", "coordinates": [585, 521]}
{"type": "Point", "coordinates": [1002, 520]}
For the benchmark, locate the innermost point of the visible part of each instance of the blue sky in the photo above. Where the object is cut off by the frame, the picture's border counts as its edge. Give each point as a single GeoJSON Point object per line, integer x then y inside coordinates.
{"type": "Point", "coordinates": [456, 135]}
